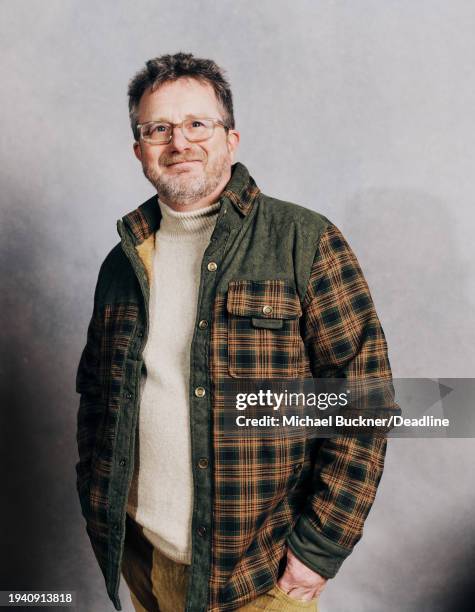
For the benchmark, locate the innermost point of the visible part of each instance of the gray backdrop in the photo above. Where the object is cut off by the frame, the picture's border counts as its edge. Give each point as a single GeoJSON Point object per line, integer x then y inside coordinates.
{"type": "Point", "coordinates": [376, 102]}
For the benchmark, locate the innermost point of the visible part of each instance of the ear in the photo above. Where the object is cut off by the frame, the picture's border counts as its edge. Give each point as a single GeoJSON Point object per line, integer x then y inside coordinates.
{"type": "Point", "coordinates": [138, 151]}
{"type": "Point", "coordinates": [233, 142]}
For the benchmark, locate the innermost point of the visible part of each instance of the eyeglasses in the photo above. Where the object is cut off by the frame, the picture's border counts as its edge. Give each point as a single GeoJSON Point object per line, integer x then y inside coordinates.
{"type": "Point", "coordinates": [193, 129]}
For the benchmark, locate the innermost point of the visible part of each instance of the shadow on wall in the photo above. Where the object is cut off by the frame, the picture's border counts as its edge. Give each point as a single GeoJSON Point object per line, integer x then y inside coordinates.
{"type": "Point", "coordinates": [454, 588]}
{"type": "Point", "coordinates": [44, 316]}
{"type": "Point", "coordinates": [463, 600]}
{"type": "Point", "coordinates": [407, 245]}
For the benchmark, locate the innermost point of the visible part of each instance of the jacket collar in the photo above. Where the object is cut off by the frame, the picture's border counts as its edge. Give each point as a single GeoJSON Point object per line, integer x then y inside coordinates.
{"type": "Point", "coordinates": [241, 191]}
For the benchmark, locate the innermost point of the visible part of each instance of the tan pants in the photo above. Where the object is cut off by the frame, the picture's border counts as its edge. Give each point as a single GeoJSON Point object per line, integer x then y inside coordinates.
{"type": "Point", "coordinates": [158, 584]}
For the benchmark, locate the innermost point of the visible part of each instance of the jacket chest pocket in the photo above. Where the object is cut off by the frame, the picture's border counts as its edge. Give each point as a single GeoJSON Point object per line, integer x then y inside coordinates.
{"type": "Point", "coordinates": [263, 328]}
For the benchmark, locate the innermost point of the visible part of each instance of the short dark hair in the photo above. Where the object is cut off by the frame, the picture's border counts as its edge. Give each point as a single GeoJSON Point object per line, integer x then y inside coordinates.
{"type": "Point", "coordinates": [165, 68]}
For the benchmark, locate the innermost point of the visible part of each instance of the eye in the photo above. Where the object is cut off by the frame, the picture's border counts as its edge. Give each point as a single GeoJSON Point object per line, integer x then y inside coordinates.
{"type": "Point", "coordinates": [160, 127]}
{"type": "Point", "coordinates": [197, 123]}
{"type": "Point", "coordinates": [157, 128]}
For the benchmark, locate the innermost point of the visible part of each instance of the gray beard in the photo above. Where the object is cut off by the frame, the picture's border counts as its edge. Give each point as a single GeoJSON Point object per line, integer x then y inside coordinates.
{"type": "Point", "coordinates": [185, 190]}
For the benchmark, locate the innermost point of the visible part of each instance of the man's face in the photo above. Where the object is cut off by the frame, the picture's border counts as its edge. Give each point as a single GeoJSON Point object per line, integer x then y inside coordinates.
{"type": "Point", "coordinates": [186, 173]}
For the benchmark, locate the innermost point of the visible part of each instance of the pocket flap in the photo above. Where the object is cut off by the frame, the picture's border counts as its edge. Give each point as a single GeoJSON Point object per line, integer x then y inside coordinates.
{"type": "Point", "coordinates": [264, 299]}
{"type": "Point", "coordinates": [267, 323]}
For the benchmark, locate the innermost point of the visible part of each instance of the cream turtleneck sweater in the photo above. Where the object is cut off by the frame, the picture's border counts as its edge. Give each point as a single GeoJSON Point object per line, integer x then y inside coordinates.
{"type": "Point", "coordinates": [161, 494]}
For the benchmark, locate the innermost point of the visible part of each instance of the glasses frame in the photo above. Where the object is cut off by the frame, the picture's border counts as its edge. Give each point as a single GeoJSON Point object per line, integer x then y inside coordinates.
{"type": "Point", "coordinates": [180, 125]}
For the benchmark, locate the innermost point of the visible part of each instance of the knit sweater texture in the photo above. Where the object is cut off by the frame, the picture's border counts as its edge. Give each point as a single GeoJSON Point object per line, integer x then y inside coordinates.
{"type": "Point", "coordinates": [161, 493]}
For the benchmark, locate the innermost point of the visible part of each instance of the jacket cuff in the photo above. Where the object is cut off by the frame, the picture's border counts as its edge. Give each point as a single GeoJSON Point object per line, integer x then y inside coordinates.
{"type": "Point", "coordinates": [315, 550]}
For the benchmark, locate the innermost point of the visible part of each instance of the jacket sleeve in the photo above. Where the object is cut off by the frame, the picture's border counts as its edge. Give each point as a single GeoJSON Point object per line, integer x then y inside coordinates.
{"type": "Point", "coordinates": [91, 404]}
{"type": "Point", "coordinates": [344, 339]}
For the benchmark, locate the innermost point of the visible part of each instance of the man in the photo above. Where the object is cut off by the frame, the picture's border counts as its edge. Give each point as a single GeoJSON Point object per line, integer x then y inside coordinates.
{"type": "Point", "coordinates": [214, 281]}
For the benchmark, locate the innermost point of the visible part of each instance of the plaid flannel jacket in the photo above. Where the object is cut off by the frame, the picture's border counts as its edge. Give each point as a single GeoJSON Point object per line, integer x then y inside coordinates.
{"type": "Point", "coordinates": [250, 500]}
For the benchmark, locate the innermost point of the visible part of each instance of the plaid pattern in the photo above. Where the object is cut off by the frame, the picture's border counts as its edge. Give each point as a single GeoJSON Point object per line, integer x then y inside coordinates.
{"type": "Point", "coordinates": [139, 226]}
{"type": "Point", "coordinates": [263, 338]}
{"type": "Point", "coordinates": [344, 339]}
{"type": "Point", "coordinates": [245, 199]}
{"type": "Point", "coordinates": [99, 380]}
{"type": "Point", "coordinates": [91, 411]}
{"type": "Point", "coordinates": [265, 492]}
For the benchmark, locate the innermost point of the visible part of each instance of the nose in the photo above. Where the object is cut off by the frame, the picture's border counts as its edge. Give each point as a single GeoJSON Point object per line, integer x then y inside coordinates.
{"type": "Point", "coordinates": [178, 141]}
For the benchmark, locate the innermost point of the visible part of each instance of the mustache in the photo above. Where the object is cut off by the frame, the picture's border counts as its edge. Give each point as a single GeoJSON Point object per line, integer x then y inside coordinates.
{"type": "Point", "coordinates": [168, 161]}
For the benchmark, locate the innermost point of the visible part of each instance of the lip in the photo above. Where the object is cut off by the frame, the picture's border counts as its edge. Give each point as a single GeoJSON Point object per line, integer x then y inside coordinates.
{"type": "Point", "coordinates": [192, 161]}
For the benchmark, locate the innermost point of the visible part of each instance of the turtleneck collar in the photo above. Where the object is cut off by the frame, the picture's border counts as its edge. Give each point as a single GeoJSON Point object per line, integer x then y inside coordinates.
{"type": "Point", "coordinates": [187, 225]}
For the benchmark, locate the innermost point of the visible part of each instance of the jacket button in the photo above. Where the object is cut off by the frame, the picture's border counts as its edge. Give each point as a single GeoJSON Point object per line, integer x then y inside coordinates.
{"type": "Point", "coordinates": [200, 391]}
{"type": "Point", "coordinates": [201, 530]}
{"type": "Point", "coordinates": [128, 395]}
{"type": "Point", "coordinates": [267, 309]}
{"type": "Point", "coordinates": [140, 334]}
{"type": "Point", "coordinates": [298, 467]}
{"type": "Point", "coordinates": [203, 324]}
{"type": "Point", "coordinates": [203, 462]}
{"type": "Point", "coordinates": [122, 462]}
{"type": "Point", "coordinates": [212, 266]}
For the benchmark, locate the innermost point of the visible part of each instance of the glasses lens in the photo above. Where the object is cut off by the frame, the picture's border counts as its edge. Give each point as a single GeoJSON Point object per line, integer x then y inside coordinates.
{"type": "Point", "coordinates": [198, 129]}
{"type": "Point", "coordinates": [156, 132]}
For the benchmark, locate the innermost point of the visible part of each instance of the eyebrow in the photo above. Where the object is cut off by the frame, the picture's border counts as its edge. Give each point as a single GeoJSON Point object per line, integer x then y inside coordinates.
{"type": "Point", "coordinates": [188, 116]}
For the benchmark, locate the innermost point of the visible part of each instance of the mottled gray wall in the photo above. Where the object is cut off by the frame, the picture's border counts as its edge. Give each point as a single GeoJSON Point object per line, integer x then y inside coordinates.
{"type": "Point", "coordinates": [376, 102]}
